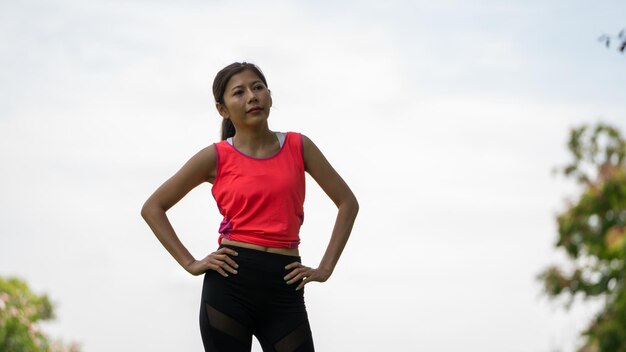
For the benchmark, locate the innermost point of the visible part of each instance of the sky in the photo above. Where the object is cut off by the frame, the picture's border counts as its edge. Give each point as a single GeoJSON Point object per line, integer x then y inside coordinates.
{"type": "Point", "coordinates": [446, 119]}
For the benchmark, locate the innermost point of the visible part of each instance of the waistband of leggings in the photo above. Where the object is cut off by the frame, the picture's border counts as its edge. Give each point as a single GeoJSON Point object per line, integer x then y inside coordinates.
{"type": "Point", "coordinates": [262, 255]}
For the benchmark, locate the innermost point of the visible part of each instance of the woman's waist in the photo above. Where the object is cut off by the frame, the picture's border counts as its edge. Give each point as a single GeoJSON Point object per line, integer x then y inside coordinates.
{"type": "Point", "coordinates": [258, 270]}
{"type": "Point", "coordinates": [293, 252]}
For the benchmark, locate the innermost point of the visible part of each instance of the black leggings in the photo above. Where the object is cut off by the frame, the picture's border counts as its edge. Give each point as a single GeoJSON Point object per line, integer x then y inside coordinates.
{"type": "Point", "coordinates": [255, 301]}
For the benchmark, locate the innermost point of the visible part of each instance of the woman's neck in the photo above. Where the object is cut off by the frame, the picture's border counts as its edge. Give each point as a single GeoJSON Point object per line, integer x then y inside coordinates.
{"type": "Point", "coordinates": [254, 140]}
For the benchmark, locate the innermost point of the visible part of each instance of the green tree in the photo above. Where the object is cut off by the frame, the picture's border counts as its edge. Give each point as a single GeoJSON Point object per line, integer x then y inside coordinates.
{"type": "Point", "coordinates": [20, 311]}
{"type": "Point", "coordinates": [592, 231]}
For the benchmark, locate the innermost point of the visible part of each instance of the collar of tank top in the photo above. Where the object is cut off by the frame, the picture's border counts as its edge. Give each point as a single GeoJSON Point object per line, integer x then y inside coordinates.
{"type": "Point", "coordinates": [279, 135]}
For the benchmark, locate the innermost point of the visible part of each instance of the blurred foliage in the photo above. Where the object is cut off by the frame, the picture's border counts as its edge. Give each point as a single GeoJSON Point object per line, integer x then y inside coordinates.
{"type": "Point", "coordinates": [20, 311]}
{"type": "Point", "coordinates": [620, 40]}
{"type": "Point", "coordinates": [592, 231]}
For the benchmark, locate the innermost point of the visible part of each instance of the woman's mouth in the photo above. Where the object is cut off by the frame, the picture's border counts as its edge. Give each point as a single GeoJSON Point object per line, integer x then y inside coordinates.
{"type": "Point", "coordinates": [255, 109]}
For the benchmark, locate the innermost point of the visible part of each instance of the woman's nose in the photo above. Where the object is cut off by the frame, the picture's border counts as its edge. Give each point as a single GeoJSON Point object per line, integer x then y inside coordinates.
{"type": "Point", "coordinates": [252, 96]}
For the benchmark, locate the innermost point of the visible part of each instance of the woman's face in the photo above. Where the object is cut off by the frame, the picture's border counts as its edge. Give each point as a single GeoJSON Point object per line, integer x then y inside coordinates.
{"type": "Point", "coordinates": [247, 100]}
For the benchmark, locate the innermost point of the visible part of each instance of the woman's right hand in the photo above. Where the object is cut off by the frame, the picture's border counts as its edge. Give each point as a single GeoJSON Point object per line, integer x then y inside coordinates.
{"type": "Point", "coordinates": [218, 261]}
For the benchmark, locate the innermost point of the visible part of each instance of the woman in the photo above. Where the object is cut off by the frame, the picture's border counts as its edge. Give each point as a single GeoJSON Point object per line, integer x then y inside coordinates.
{"type": "Point", "coordinates": [253, 282]}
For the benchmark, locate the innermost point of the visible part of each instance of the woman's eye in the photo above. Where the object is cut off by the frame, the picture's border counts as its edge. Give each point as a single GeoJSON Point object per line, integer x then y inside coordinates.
{"type": "Point", "coordinates": [238, 92]}
{"type": "Point", "coordinates": [259, 87]}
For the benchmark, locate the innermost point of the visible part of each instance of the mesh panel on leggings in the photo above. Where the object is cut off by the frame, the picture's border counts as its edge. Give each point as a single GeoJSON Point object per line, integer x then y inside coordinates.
{"type": "Point", "coordinates": [293, 340]}
{"type": "Point", "coordinates": [226, 324]}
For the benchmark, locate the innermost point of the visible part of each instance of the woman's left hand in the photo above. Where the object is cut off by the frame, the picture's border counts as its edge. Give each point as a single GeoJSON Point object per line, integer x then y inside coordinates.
{"type": "Point", "coordinates": [304, 274]}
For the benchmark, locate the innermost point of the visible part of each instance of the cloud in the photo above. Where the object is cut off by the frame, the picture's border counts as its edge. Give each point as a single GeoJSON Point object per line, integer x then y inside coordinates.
{"type": "Point", "coordinates": [431, 116]}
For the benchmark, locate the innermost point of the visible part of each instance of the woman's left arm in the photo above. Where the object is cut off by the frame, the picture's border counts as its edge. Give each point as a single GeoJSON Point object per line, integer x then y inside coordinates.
{"type": "Point", "coordinates": [338, 191]}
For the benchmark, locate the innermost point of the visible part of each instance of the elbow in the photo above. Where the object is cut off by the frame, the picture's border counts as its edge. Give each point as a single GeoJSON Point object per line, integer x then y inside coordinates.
{"type": "Point", "coordinates": [351, 204]}
{"type": "Point", "coordinates": [355, 205]}
{"type": "Point", "coordinates": [148, 209]}
{"type": "Point", "coordinates": [145, 210]}
{"type": "Point", "coordinates": [153, 207]}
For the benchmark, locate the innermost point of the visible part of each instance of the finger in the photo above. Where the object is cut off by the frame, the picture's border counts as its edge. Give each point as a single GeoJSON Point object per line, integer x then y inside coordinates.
{"type": "Point", "coordinates": [303, 282]}
{"type": "Point", "coordinates": [220, 270]}
{"type": "Point", "coordinates": [220, 266]}
{"type": "Point", "coordinates": [291, 280]}
{"type": "Point", "coordinates": [225, 258]}
{"type": "Point", "coordinates": [293, 265]}
{"type": "Point", "coordinates": [294, 272]}
{"type": "Point", "coordinates": [228, 268]}
{"type": "Point", "coordinates": [231, 262]}
{"type": "Point", "coordinates": [302, 274]}
{"type": "Point", "coordinates": [228, 251]}
{"type": "Point", "coordinates": [290, 275]}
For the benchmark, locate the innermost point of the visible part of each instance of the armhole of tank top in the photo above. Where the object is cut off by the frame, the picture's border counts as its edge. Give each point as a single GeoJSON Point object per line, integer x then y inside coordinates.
{"type": "Point", "coordinates": [217, 167]}
{"type": "Point", "coordinates": [301, 141]}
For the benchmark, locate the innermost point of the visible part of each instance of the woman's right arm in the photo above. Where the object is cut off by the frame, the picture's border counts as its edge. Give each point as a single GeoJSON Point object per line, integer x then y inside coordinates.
{"type": "Point", "coordinates": [200, 168]}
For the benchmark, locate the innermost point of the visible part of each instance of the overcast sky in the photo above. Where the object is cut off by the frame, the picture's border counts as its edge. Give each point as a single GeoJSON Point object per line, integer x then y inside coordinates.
{"type": "Point", "coordinates": [446, 118]}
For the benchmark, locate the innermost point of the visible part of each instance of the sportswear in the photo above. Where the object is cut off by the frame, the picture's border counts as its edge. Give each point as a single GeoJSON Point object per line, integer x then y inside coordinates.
{"type": "Point", "coordinates": [261, 199]}
{"type": "Point", "coordinates": [255, 301]}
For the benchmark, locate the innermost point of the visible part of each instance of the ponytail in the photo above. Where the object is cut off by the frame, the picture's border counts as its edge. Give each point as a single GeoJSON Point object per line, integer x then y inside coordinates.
{"type": "Point", "coordinates": [228, 129]}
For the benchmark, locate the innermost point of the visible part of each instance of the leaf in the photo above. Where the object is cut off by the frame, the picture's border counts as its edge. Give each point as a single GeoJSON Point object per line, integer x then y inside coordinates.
{"type": "Point", "coordinates": [592, 231]}
{"type": "Point", "coordinates": [615, 238]}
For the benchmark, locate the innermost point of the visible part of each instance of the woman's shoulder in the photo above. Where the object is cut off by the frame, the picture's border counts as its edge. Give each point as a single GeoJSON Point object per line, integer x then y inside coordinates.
{"type": "Point", "coordinates": [302, 139]}
{"type": "Point", "coordinates": [216, 146]}
{"type": "Point", "coordinates": [296, 134]}
{"type": "Point", "coordinates": [296, 138]}
{"type": "Point", "coordinates": [208, 153]}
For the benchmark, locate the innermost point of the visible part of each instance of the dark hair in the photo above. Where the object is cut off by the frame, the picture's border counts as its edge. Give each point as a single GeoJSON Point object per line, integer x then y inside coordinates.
{"type": "Point", "coordinates": [219, 86]}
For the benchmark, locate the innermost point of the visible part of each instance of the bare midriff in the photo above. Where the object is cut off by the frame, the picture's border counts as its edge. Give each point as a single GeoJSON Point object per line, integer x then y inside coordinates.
{"type": "Point", "coordinates": [283, 251]}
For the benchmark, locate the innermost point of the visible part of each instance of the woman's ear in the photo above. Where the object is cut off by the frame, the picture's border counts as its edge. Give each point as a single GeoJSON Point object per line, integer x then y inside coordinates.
{"type": "Point", "coordinates": [222, 110]}
{"type": "Point", "coordinates": [270, 97]}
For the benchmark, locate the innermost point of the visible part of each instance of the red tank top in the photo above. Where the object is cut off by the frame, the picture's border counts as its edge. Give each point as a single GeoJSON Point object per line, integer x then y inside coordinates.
{"type": "Point", "coordinates": [261, 199]}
